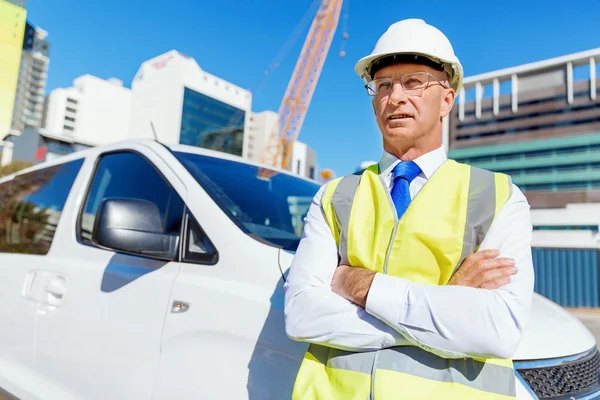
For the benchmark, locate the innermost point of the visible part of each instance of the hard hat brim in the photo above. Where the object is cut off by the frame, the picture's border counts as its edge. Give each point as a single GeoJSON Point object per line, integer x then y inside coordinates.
{"type": "Point", "coordinates": [363, 65]}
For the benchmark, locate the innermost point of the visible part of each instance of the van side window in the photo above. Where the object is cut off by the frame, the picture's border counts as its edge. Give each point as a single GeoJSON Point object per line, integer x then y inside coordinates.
{"type": "Point", "coordinates": [129, 175]}
{"type": "Point", "coordinates": [31, 205]}
{"type": "Point", "coordinates": [198, 247]}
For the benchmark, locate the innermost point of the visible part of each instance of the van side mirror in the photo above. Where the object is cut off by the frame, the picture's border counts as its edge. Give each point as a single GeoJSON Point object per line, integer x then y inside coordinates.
{"type": "Point", "coordinates": [133, 226]}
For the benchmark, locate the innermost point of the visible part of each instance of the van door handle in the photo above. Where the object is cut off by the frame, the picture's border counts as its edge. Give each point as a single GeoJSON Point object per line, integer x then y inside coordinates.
{"type": "Point", "coordinates": [56, 289]}
{"type": "Point", "coordinates": [30, 278]}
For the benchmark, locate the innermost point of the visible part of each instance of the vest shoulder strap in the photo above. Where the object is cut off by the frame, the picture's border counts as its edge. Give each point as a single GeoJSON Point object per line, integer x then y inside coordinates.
{"type": "Point", "coordinates": [337, 200]}
{"type": "Point", "coordinates": [488, 192]}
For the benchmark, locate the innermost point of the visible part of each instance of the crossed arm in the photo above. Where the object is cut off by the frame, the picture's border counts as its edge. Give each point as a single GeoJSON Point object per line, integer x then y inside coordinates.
{"type": "Point", "coordinates": [355, 309]}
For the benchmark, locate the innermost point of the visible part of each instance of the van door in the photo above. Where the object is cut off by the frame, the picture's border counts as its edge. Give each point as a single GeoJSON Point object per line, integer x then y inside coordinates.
{"type": "Point", "coordinates": [99, 331]}
{"type": "Point", "coordinates": [228, 341]}
{"type": "Point", "coordinates": [31, 205]}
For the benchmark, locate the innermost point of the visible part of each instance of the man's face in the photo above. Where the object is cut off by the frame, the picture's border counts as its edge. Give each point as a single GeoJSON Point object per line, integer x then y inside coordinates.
{"type": "Point", "coordinates": [405, 118]}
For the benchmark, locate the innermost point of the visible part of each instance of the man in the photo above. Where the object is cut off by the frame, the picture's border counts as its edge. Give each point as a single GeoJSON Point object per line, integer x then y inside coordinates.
{"type": "Point", "coordinates": [414, 278]}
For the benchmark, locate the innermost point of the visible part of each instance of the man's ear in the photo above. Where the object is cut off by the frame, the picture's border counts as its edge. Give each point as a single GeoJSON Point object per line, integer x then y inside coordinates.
{"type": "Point", "coordinates": [447, 103]}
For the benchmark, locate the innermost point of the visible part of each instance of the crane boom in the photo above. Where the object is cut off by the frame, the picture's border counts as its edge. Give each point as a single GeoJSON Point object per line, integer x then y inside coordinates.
{"type": "Point", "coordinates": [302, 85]}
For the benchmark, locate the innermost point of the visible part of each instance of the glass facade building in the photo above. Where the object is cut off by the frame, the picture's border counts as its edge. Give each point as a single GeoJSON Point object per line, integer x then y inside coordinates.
{"type": "Point", "coordinates": [564, 165]}
{"type": "Point", "coordinates": [209, 123]}
{"type": "Point", "coordinates": [539, 123]}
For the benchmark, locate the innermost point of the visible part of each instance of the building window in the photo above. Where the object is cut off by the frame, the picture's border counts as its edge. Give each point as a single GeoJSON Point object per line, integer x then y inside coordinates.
{"type": "Point", "coordinates": [298, 167]}
{"type": "Point", "coordinates": [68, 128]}
{"type": "Point", "coordinates": [70, 100]}
{"type": "Point", "coordinates": [60, 148]}
{"type": "Point", "coordinates": [593, 228]}
{"type": "Point", "coordinates": [211, 124]}
{"type": "Point", "coordinates": [70, 119]}
{"type": "Point", "coordinates": [69, 109]}
{"type": "Point", "coordinates": [311, 173]}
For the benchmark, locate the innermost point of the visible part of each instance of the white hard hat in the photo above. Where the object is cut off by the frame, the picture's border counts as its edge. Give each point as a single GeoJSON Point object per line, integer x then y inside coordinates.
{"type": "Point", "coordinates": [416, 38]}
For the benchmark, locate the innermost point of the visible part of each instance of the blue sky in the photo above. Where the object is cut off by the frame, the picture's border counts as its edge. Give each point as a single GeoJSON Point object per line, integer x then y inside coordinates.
{"type": "Point", "coordinates": [238, 39]}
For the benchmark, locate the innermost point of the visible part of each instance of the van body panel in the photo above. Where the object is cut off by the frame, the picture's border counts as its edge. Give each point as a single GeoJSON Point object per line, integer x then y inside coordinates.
{"type": "Point", "coordinates": [552, 332]}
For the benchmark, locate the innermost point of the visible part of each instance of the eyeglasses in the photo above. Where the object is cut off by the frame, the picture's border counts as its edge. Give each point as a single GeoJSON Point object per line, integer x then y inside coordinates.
{"type": "Point", "coordinates": [413, 84]}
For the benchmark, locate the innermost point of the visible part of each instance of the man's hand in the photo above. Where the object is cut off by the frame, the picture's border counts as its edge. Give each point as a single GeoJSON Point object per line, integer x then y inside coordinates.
{"type": "Point", "coordinates": [484, 270]}
{"type": "Point", "coordinates": [479, 270]}
{"type": "Point", "coordinates": [352, 283]}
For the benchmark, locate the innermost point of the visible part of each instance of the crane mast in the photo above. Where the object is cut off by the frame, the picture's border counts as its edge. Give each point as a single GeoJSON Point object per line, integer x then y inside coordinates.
{"type": "Point", "coordinates": [302, 85]}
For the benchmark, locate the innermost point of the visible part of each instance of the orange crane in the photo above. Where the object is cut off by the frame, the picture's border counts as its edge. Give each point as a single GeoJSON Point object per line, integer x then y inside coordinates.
{"type": "Point", "coordinates": [301, 87]}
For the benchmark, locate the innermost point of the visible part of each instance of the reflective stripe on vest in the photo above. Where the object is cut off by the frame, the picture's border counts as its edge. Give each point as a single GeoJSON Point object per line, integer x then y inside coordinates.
{"type": "Point", "coordinates": [359, 211]}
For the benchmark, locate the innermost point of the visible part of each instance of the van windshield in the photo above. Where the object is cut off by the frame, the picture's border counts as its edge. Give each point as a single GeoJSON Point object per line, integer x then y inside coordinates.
{"type": "Point", "coordinates": [269, 209]}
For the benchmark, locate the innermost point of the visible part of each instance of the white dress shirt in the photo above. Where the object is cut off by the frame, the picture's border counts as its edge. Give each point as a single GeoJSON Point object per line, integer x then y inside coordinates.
{"type": "Point", "coordinates": [450, 321]}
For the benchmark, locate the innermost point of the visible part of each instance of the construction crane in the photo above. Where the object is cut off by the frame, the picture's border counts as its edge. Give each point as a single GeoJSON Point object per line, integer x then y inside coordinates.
{"type": "Point", "coordinates": [301, 87]}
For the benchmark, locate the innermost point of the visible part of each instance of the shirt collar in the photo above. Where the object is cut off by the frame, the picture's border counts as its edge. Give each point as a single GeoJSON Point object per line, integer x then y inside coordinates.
{"type": "Point", "coordinates": [428, 162]}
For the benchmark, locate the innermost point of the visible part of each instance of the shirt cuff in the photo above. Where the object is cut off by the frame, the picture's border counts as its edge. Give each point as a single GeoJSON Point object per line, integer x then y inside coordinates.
{"type": "Point", "coordinates": [387, 298]}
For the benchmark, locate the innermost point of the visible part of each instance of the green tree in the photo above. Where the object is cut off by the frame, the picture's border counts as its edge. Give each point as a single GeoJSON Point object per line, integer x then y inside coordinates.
{"type": "Point", "coordinates": [13, 167]}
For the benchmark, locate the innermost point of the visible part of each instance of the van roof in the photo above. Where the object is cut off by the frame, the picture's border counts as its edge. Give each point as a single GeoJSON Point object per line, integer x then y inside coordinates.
{"type": "Point", "coordinates": [151, 144]}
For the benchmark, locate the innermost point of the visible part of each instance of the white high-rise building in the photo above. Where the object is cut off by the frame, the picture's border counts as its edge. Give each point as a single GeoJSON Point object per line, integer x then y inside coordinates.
{"type": "Point", "coordinates": [304, 161]}
{"type": "Point", "coordinates": [262, 125]}
{"type": "Point", "coordinates": [184, 104]}
{"type": "Point", "coordinates": [33, 75]}
{"type": "Point", "coordinates": [93, 110]}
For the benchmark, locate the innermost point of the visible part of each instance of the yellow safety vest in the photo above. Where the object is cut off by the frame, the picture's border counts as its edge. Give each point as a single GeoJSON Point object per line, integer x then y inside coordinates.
{"type": "Point", "coordinates": [443, 224]}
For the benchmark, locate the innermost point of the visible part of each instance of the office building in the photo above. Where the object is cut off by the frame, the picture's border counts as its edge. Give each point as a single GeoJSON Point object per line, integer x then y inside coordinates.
{"type": "Point", "coordinates": [33, 74]}
{"type": "Point", "coordinates": [93, 110]}
{"type": "Point", "coordinates": [173, 97]}
{"type": "Point", "coordinates": [35, 145]}
{"type": "Point", "coordinates": [538, 122]}
{"type": "Point", "coordinates": [261, 127]}
{"type": "Point", "coordinates": [12, 26]}
{"type": "Point", "coordinates": [304, 161]}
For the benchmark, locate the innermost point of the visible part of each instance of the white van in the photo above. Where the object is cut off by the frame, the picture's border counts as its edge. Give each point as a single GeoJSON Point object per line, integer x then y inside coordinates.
{"type": "Point", "coordinates": [141, 271]}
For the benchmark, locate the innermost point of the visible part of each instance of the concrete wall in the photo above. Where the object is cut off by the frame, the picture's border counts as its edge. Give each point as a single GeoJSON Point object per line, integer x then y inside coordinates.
{"type": "Point", "coordinates": [104, 110]}
{"type": "Point", "coordinates": [26, 145]}
{"type": "Point", "coordinates": [572, 215]}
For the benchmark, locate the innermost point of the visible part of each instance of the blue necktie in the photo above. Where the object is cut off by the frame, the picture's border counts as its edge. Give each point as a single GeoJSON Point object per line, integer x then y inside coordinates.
{"type": "Point", "coordinates": [404, 173]}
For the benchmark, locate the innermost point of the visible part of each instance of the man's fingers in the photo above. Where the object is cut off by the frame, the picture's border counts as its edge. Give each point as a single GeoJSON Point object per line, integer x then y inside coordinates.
{"type": "Point", "coordinates": [493, 263]}
{"type": "Point", "coordinates": [482, 255]}
{"type": "Point", "coordinates": [487, 277]}
{"type": "Point", "coordinates": [485, 265]}
{"type": "Point", "coordinates": [472, 259]}
{"type": "Point", "coordinates": [496, 283]}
